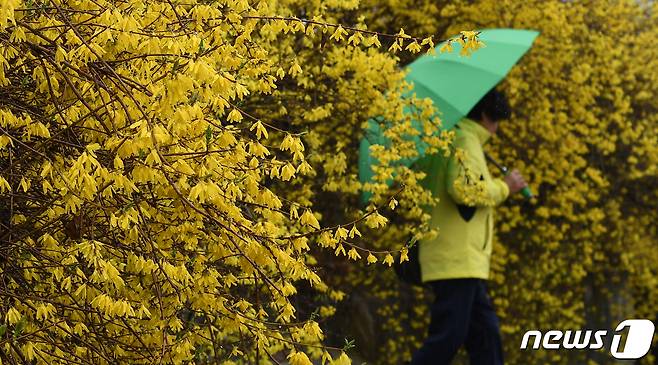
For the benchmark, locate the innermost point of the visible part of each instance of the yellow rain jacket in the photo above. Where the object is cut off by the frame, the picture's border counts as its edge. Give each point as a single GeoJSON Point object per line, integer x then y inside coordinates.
{"type": "Point", "coordinates": [462, 248]}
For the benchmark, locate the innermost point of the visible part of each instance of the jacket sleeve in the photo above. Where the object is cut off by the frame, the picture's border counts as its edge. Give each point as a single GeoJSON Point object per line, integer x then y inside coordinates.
{"type": "Point", "coordinates": [495, 191]}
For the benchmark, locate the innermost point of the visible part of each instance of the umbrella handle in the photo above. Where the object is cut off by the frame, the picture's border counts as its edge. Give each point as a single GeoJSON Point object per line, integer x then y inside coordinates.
{"type": "Point", "coordinates": [526, 192]}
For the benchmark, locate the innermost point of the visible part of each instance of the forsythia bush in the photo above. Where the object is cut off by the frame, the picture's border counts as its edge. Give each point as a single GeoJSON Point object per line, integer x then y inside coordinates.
{"type": "Point", "coordinates": [178, 179]}
{"type": "Point", "coordinates": [165, 167]}
{"type": "Point", "coordinates": [582, 255]}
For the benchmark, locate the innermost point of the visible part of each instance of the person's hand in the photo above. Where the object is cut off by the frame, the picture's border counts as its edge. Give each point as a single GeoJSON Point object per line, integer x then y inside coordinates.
{"type": "Point", "coordinates": [515, 181]}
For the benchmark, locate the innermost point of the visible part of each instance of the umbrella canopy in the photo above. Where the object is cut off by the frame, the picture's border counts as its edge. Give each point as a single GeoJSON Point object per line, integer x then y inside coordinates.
{"type": "Point", "coordinates": [454, 83]}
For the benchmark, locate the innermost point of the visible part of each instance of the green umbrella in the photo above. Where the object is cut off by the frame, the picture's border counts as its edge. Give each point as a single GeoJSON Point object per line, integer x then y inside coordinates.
{"type": "Point", "coordinates": [454, 83]}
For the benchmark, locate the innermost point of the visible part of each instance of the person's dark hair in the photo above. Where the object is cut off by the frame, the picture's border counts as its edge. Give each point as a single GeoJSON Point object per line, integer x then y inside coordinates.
{"type": "Point", "coordinates": [494, 104]}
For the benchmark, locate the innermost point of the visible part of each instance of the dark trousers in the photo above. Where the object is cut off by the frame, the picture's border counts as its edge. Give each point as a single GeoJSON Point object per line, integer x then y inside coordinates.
{"type": "Point", "coordinates": [462, 314]}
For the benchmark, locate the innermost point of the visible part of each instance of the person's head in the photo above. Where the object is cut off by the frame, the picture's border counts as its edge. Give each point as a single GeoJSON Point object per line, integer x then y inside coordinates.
{"type": "Point", "coordinates": [491, 109]}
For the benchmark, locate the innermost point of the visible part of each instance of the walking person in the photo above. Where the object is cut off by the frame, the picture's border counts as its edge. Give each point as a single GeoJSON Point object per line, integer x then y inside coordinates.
{"type": "Point", "coordinates": [456, 262]}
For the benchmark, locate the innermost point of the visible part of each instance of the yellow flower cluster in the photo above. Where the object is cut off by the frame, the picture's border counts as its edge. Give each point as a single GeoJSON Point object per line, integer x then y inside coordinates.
{"type": "Point", "coordinates": [169, 173]}
{"type": "Point", "coordinates": [582, 255]}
